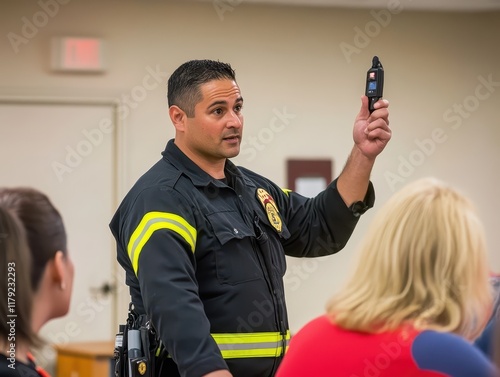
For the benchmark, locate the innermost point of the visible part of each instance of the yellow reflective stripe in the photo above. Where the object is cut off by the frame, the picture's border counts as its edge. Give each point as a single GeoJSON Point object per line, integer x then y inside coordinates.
{"type": "Point", "coordinates": [244, 345]}
{"type": "Point", "coordinates": [242, 354]}
{"type": "Point", "coordinates": [286, 191]}
{"type": "Point", "coordinates": [242, 338]}
{"type": "Point", "coordinates": [153, 221]}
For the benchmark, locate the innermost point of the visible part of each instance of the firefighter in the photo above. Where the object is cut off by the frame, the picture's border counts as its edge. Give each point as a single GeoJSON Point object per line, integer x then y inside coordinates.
{"type": "Point", "coordinates": [203, 242]}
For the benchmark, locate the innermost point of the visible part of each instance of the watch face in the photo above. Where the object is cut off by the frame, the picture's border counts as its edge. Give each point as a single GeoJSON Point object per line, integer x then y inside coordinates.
{"type": "Point", "coordinates": [358, 208]}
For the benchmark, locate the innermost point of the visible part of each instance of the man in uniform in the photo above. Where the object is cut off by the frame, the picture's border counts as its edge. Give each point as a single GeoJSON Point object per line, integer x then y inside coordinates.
{"type": "Point", "coordinates": [203, 242]}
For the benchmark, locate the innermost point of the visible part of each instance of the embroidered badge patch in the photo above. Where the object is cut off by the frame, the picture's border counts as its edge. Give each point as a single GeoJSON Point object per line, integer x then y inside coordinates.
{"type": "Point", "coordinates": [271, 209]}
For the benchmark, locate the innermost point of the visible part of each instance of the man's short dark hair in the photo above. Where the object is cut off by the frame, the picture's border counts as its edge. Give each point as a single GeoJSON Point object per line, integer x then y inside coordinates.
{"type": "Point", "coordinates": [184, 84]}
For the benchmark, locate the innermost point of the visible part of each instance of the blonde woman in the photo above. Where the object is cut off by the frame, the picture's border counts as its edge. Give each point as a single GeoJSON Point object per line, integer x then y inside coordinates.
{"type": "Point", "coordinates": [418, 295]}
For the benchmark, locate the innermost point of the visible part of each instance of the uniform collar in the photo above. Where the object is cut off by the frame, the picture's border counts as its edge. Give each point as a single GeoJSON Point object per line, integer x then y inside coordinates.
{"type": "Point", "coordinates": [198, 176]}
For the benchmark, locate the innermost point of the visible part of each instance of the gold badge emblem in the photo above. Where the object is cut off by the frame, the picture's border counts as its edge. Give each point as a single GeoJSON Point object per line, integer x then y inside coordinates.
{"type": "Point", "coordinates": [142, 368]}
{"type": "Point", "coordinates": [271, 209]}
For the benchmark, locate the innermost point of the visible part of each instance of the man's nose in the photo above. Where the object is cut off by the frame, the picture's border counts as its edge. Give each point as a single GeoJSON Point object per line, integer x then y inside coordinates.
{"type": "Point", "coordinates": [235, 120]}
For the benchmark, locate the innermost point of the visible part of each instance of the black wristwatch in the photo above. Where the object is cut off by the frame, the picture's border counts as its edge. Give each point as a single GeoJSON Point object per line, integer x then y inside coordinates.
{"type": "Point", "coordinates": [358, 208]}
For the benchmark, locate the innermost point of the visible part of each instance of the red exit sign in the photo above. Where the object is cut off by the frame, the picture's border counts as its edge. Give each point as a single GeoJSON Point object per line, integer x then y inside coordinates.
{"type": "Point", "coordinates": [77, 54]}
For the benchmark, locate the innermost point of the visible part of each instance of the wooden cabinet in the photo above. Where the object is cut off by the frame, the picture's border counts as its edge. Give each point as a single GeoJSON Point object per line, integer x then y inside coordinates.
{"type": "Point", "coordinates": [86, 359]}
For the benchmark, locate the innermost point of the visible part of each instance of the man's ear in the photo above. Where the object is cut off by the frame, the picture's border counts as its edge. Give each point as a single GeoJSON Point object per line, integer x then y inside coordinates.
{"type": "Point", "coordinates": [178, 117]}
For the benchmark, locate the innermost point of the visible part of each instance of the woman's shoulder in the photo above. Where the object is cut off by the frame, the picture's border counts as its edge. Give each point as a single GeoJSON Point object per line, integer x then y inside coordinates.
{"type": "Point", "coordinates": [7, 369]}
{"type": "Point", "coordinates": [16, 368]}
{"type": "Point", "coordinates": [321, 322]}
{"type": "Point", "coordinates": [317, 327]}
{"type": "Point", "coordinates": [449, 354]}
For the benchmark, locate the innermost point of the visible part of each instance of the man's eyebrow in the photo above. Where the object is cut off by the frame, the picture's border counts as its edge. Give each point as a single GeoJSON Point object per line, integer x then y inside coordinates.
{"type": "Point", "coordinates": [222, 102]}
{"type": "Point", "coordinates": [217, 103]}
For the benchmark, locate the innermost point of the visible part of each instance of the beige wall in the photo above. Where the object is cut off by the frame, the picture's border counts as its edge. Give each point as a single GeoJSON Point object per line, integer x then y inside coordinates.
{"type": "Point", "coordinates": [290, 60]}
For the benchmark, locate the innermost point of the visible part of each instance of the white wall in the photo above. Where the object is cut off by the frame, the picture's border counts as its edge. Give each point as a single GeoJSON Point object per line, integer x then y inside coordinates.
{"type": "Point", "coordinates": [290, 59]}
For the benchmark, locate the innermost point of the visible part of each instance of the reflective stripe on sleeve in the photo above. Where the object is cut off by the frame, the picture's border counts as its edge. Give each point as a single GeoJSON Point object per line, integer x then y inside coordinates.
{"type": "Point", "coordinates": [153, 221]}
{"type": "Point", "coordinates": [245, 345]}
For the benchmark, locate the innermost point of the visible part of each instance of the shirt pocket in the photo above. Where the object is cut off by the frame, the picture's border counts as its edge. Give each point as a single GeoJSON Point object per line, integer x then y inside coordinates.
{"type": "Point", "coordinates": [235, 258]}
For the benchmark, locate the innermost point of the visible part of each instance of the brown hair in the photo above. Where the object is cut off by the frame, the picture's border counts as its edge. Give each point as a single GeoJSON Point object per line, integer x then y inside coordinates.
{"type": "Point", "coordinates": [15, 264]}
{"type": "Point", "coordinates": [184, 84]}
{"type": "Point", "coordinates": [43, 225]}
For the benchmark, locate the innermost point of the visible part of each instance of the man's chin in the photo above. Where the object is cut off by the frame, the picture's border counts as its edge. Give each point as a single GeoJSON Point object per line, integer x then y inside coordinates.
{"type": "Point", "coordinates": [232, 155]}
{"type": "Point", "coordinates": [233, 152]}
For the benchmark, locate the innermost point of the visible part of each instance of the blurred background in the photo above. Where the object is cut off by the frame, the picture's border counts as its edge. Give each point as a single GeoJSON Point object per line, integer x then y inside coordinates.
{"type": "Point", "coordinates": [83, 112]}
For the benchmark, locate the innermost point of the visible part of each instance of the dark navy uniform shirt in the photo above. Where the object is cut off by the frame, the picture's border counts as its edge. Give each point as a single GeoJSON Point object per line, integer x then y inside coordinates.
{"type": "Point", "coordinates": [205, 259]}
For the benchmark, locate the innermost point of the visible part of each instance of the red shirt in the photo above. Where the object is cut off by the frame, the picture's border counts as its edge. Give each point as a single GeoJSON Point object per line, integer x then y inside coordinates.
{"type": "Point", "coordinates": [322, 349]}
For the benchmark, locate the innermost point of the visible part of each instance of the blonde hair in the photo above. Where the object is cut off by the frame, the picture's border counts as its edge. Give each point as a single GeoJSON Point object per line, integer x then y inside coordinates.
{"type": "Point", "coordinates": [423, 262]}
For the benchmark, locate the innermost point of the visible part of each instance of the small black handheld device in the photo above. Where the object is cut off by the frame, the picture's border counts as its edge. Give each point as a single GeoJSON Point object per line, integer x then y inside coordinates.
{"type": "Point", "coordinates": [374, 83]}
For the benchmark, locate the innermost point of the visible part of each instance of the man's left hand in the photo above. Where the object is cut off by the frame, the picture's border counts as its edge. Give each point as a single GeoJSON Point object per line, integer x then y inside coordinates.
{"type": "Point", "coordinates": [371, 131]}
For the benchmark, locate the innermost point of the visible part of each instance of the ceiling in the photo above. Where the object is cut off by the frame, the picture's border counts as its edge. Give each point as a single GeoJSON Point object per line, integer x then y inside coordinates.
{"type": "Point", "coordinates": [424, 5]}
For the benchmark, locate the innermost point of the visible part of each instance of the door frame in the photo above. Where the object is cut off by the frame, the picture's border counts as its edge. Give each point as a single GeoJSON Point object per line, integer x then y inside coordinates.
{"type": "Point", "coordinates": [119, 164]}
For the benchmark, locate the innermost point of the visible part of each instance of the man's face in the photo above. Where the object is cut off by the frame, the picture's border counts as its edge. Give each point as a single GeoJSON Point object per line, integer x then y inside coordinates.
{"type": "Point", "coordinates": [215, 131]}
